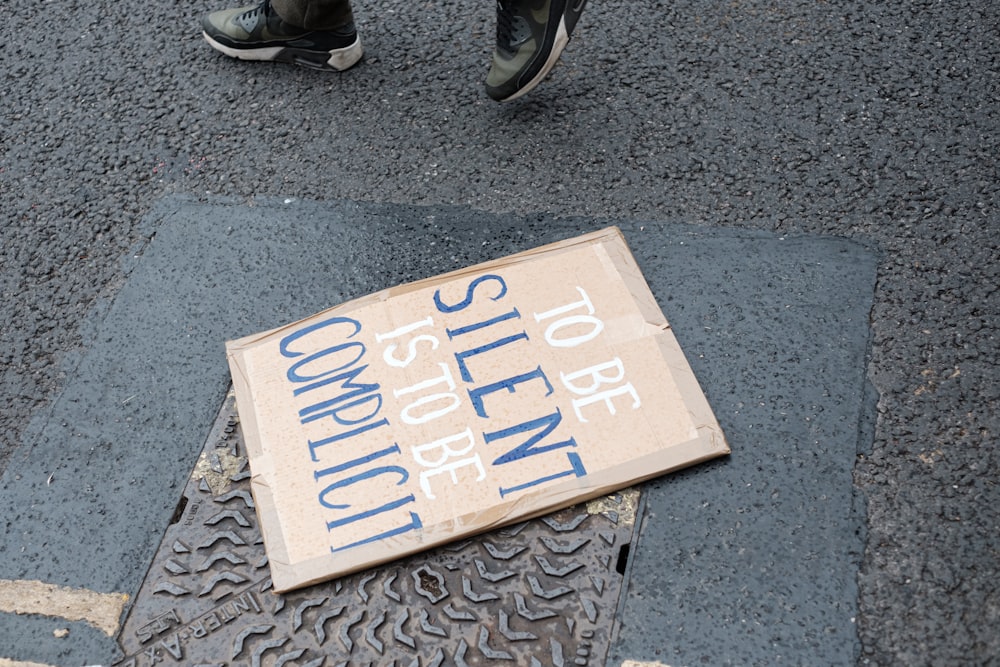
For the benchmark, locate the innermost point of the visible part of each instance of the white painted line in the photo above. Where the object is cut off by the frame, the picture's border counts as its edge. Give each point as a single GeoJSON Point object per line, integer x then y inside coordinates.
{"type": "Point", "coordinates": [100, 610]}
{"type": "Point", "coordinates": [4, 662]}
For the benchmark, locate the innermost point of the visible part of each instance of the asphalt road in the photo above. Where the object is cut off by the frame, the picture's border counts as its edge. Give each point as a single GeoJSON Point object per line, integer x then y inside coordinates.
{"type": "Point", "coordinates": [873, 121]}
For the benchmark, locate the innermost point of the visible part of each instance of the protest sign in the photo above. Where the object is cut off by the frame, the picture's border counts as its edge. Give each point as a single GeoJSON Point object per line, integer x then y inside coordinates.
{"type": "Point", "coordinates": [447, 407]}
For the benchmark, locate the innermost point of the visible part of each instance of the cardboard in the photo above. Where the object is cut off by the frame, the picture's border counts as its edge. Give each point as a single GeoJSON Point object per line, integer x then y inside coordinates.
{"type": "Point", "coordinates": [450, 406]}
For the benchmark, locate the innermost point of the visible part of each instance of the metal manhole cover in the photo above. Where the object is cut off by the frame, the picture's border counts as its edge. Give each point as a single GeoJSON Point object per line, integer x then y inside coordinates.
{"type": "Point", "coordinates": [542, 592]}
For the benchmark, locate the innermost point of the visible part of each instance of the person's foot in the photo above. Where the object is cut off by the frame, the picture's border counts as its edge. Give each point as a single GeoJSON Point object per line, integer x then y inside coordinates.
{"type": "Point", "coordinates": [531, 34]}
{"type": "Point", "coordinates": [258, 33]}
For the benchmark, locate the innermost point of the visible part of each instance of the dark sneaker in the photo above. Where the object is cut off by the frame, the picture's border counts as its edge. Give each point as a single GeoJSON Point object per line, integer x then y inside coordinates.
{"type": "Point", "coordinates": [531, 34]}
{"type": "Point", "coordinates": [258, 33]}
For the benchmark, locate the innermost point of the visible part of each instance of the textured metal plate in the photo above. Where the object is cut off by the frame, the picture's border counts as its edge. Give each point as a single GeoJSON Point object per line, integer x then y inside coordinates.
{"type": "Point", "coordinates": [542, 592]}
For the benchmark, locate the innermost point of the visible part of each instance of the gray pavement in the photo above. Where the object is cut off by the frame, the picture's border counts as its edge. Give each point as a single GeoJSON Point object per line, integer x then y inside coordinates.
{"type": "Point", "coordinates": [769, 538]}
{"type": "Point", "coordinates": [871, 122]}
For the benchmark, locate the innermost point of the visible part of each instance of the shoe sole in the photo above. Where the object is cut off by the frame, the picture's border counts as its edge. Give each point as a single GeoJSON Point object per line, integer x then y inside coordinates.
{"type": "Point", "coordinates": [337, 59]}
{"type": "Point", "coordinates": [561, 40]}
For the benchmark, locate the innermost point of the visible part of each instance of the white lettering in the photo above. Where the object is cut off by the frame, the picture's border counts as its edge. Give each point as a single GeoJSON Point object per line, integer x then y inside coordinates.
{"type": "Point", "coordinates": [595, 325]}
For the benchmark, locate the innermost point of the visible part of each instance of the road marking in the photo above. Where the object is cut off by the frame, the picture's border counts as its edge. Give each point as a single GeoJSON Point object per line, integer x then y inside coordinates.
{"type": "Point", "coordinates": [7, 662]}
{"type": "Point", "coordinates": [100, 610]}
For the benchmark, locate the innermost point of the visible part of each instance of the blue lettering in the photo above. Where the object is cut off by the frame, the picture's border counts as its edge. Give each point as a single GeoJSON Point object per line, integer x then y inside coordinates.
{"type": "Point", "coordinates": [462, 356]}
{"type": "Point", "coordinates": [414, 524]}
{"type": "Point", "coordinates": [348, 375]}
{"type": "Point", "coordinates": [509, 384]}
{"type": "Point", "coordinates": [512, 315]}
{"type": "Point", "coordinates": [467, 301]}
{"type": "Point", "coordinates": [330, 525]}
{"type": "Point", "coordinates": [316, 444]}
{"type": "Point", "coordinates": [368, 474]}
{"type": "Point", "coordinates": [335, 412]}
{"type": "Point", "coordinates": [343, 407]}
{"type": "Point", "coordinates": [352, 391]}
{"type": "Point", "coordinates": [356, 462]}
{"type": "Point", "coordinates": [294, 336]}
{"type": "Point", "coordinates": [527, 448]}
{"type": "Point", "coordinates": [293, 372]}
{"type": "Point", "coordinates": [576, 469]}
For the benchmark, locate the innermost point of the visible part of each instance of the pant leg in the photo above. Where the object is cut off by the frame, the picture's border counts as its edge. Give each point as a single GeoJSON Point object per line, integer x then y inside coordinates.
{"type": "Point", "coordinates": [315, 14]}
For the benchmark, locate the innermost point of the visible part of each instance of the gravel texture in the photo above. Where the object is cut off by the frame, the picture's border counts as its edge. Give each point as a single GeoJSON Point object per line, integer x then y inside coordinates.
{"type": "Point", "coordinates": [874, 121]}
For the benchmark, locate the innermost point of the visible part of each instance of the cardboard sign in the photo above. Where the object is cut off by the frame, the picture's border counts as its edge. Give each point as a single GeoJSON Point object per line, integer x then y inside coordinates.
{"type": "Point", "coordinates": [457, 404]}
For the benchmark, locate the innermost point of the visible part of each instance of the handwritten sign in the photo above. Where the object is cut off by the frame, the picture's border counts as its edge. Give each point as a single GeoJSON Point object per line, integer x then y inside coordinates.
{"type": "Point", "coordinates": [450, 406]}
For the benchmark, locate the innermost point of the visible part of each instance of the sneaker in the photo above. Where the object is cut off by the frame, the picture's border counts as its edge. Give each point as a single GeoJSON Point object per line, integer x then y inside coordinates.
{"type": "Point", "coordinates": [258, 33]}
{"type": "Point", "coordinates": [531, 34]}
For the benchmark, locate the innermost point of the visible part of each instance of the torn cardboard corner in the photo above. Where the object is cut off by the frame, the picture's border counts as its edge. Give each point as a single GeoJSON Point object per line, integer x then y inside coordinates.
{"type": "Point", "coordinates": [453, 405]}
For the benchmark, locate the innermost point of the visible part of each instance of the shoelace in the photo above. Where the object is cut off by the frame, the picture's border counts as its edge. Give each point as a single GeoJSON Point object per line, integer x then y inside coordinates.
{"type": "Point", "coordinates": [252, 14]}
{"type": "Point", "coordinates": [505, 24]}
